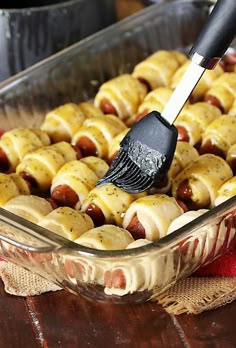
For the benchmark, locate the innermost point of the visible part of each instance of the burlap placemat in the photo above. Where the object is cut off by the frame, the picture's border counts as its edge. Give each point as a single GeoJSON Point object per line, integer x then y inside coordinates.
{"type": "Point", "coordinates": [192, 295]}
{"type": "Point", "coordinates": [20, 282]}
{"type": "Point", "coordinates": [195, 295]}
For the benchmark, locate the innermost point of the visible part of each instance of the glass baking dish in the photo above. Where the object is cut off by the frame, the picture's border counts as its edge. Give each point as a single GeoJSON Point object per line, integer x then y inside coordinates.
{"type": "Point", "coordinates": [75, 74]}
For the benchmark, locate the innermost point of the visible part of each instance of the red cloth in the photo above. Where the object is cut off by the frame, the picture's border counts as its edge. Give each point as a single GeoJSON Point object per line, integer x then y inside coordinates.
{"type": "Point", "coordinates": [223, 266]}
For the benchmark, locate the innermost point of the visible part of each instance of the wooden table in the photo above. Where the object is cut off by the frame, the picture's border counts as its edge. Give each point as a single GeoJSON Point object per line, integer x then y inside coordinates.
{"type": "Point", "coordinates": [61, 319]}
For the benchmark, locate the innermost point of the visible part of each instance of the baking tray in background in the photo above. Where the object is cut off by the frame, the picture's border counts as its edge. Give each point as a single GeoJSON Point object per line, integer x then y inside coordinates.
{"type": "Point", "coordinates": [75, 75]}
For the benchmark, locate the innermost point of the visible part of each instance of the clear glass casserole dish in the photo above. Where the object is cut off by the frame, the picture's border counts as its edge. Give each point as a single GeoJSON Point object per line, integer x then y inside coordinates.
{"type": "Point", "coordinates": [75, 75]}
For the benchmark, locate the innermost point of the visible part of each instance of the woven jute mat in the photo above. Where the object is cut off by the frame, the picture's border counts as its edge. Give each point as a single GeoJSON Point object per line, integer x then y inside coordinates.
{"type": "Point", "coordinates": [195, 295]}
{"type": "Point", "coordinates": [20, 282]}
{"type": "Point", "coordinates": [192, 295]}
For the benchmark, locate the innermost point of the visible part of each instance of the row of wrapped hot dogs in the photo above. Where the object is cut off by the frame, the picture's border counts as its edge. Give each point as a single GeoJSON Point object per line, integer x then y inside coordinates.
{"type": "Point", "coordinates": [200, 124]}
{"type": "Point", "coordinates": [194, 183]}
{"type": "Point", "coordinates": [29, 152]}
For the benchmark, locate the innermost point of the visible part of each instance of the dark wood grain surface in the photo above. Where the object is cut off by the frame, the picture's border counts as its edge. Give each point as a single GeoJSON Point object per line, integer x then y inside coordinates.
{"type": "Point", "coordinates": [61, 319]}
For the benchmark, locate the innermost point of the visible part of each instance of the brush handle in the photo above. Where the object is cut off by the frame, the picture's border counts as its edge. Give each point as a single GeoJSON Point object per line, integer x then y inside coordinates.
{"type": "Point", "coordinates": [216, 36]}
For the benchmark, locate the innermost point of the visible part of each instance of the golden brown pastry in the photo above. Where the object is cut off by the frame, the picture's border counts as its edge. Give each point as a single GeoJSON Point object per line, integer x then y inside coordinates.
{"type": "Point", "coordinates": [157, 69]}
{"type": "Point", "coordinates": [106, 237]}
{"type": "Point", "coordinates": [94, 137]}
{"type": "Point", "coordinates": [197, 185]}
{"type": "Point", "coordinates": [67, 222]}
{"type": "Point", "coordinates": [16, 143]}
{"type": "Point", "coordinates": [75, 179]}
{"type": "Point", "coordinates": [184, 154]}
{"type": "Point", "coordinates": [63, 122]}
{"type": "Point", "coordinates": [22, 185]}
{"type": "Point", "coordinates": [219, 135]}
{"type": "Point", "coordinates": [193, 119]}
{"type": "Point", "coordinates": [12, 185]}
{"type": "Point", "coordinates": [89, 110]}
{"type": "Point", "coordinates": [149, 217]}
{"type": "Point", "coordinates": [231, 157]}
{"type": "Point", "coordinates": [226, 191]}
{"type": "Point", "coordinates": [107, 204]}
{"type": "Point", "coordinates": [120, 96]}
{"type": "Point", "coordinates": [222, 92]}
{"type": "Point", "coordinates": [40, 166]}
{"type": "Point", "coordinates": [232, 110]}
{"type": "Point", "coordinates": [114, 145]}
{"type": "Point", "coordinates": [154, 101]}
{"type": "Point", "coordinates": [203, 85]}
{"type": "Point", "coordinates": [31, 207]}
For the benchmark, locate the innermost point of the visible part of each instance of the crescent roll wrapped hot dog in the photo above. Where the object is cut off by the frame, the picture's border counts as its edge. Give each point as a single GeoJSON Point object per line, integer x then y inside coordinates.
{"type": "Point", "coordinates": [232, 110]}
{"type": "Point", "coordinates": [31, 207]}
{"type": "Point", "coordinates": [40, 166]}
{"type": "Point", "coordinates": [222, 92]}
{"type": "Point", "coordinates": [154, 100]}
{"type": "Point", "coordinates": [203, 85]}
{"type": "Point", "coordinates": [106, 237]}
{"type": "Point", "coordinates": [94, 137]}
{"type": "Point", "coordinates": [22, 185]}
{"type": "Point", "coordinates": [231, 157]}
{"type": "Point", "coordinates": [226, 191]}
{"type": "Point", "coordinates": [193, 119]}
{"type": "Point", "coordinates": [126, 278]}
{"type": "Point", "coordinates": [120, 96]}
{"type": "Point", "coordinates": [157, 69]}
{"type": "Point", "coordinates": [184, 154]}
{"type": "Point", "coordinates": [196, 248]}
{"type": "Point", "coordinates": [107, 204]}
{"type": "Point", "coordinates": [149, 217]}
{"type": "Point", "coordinates": [229, 62]}
{"type": "Point", "coordinates": [63, 122]}
{"type": "Point", "coordinates": [89, 110]}
{"type": "Point", "coordinates": [209, 239]}
{"type": "Point", "coordinates": [73, 182]}
{"type": "Point", "coordinates": [16, 143]}
{"type": "Point", "coordinates": [12, 185]}
{"type": "Point", "coordinates": [140, 274]}
{"type": "Point", "coordinates": [197, 185]}
{"type": "Point", "coordinates": [184, 219]}
{"type": "Point", "coordinates": [219, 135]}
{"type": "Point", "coordinates": [67, 222]}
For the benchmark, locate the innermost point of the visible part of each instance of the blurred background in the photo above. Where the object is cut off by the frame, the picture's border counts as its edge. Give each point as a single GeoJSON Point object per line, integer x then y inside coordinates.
{"type": "Point", "coordinates": [31, 30]}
